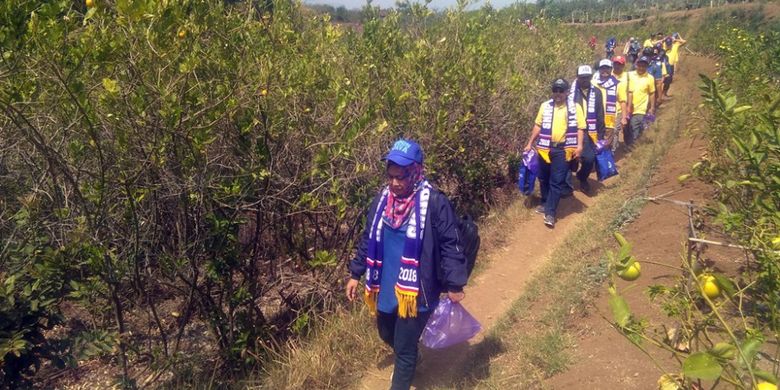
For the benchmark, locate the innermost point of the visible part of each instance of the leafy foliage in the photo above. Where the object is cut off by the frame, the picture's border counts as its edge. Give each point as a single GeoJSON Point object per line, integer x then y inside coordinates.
{"type": "Point", "coordinates": [170, 164]}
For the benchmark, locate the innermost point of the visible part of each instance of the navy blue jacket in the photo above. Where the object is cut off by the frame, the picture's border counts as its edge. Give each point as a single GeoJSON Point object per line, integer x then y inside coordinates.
{"type": "Point", "coordinates": [442, 262]}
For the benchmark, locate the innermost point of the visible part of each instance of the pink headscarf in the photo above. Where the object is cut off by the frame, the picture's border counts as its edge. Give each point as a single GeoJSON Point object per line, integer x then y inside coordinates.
{"type": "Point", "coordinates": [397, 209]}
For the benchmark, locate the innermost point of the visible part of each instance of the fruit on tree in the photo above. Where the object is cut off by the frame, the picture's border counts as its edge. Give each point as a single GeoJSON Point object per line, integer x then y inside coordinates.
{"type": "Point", "coordinates": [709, 286]}
{"type": "Point", "coordinates": [182, 34]}
{"type": "Point", "coordinates": [632, 272]}
{"type": "Point", "coordinates": [89, 3]}
{"type": "Point", "coordinates": [766, 386]}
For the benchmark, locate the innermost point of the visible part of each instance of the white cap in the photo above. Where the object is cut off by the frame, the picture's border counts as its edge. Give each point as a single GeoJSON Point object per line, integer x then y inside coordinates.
{"type": "Point", "coordinates": [605, 62]}
{"type": "Point", "coordinates": [584, 70]}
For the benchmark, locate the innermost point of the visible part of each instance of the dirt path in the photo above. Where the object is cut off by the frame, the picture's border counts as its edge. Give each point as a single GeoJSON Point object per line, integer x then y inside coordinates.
{"type": "Point", "coordinates": [600, 351]}
{"type": "Point", "coordinates": [603, 358]}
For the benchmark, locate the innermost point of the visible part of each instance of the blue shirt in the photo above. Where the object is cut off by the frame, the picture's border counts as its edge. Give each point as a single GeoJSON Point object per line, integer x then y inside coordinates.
{"type": "Point", "coordinates": [393, 242]}
{"type": "Point", "coordinates": [656, 69]}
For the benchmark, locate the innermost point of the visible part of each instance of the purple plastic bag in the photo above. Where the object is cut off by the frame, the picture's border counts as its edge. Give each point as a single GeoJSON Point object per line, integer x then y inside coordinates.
{"type": "Point", "coordinates": [531, 161]}
{"type": "Point", "coordinates": [449, 324]}
{"type": "Point", "coordinates": [649, 118]}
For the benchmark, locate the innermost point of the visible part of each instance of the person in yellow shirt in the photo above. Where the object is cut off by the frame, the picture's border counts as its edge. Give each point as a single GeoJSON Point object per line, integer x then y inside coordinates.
{"type": "Point", "coordinates": [590, 100]}
{"type": "Point", "coordinates": [649, 42]}
{"type": "Point", "coordinates": [621, 118]}
{"type": "Point", "coordinates": [557, 135]}
{"type": "Point", "coordinates": [613, 95]}
{"type": "Point", "coordinates": [672, 46]}
{"type": "Point", "coordinates": [642, 90]}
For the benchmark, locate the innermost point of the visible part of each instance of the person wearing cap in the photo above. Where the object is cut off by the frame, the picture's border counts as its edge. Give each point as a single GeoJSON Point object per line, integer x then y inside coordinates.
{"type": "Point", "coordinates": [641, 88]}
{"type": "Point", "coordinates": [614, 99]}
{"type": "Point", "coordinates": [631, 50]}
{"type": "Point", "coordinates": [409, 254]}
{"type": "Point", "coordinates": [590, 100]}
{"type": "Point", "coordinates": [658, 68]}
{"type": "Point", "coordinates": [672, 46]}
{"type": "Point", "coordinates": [621, 118]}
{"type": "Point", "coordinates": [557, 134]}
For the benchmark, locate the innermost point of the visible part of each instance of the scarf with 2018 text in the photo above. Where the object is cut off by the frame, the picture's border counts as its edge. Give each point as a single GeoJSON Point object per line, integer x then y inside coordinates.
{"type": "Point", "coordinates": [407, 284]}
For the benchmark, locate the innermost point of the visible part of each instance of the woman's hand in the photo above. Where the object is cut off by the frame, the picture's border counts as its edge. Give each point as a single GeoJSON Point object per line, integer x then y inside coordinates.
{"type": "Point", "coordinates": [456, 297]}
{"type": "Point", "coordinates": [352, 286]}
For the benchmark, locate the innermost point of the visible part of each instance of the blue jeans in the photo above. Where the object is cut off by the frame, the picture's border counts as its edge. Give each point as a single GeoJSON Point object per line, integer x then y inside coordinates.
{"type": "Point", "coordinates": [635, 127]}
{"type": "Point", "coordinates": [669, 78]}
{"type": "Point", "coordinates": [402, 334]}
{"type": "Point", "coordinates": [552, 179]}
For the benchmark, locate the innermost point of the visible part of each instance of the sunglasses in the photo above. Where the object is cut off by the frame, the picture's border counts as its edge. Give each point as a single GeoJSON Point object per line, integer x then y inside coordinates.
{"type": "Point", "coordinates": [559, 90]}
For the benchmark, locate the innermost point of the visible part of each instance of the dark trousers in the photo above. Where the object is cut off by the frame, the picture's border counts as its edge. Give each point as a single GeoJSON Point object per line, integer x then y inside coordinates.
{"type": "Point", "coordinates": [669, 78]}
{"type": "Point", "coordinates": [552, 179]}
{"type": "Point", "coordinates": [635, 128]}
{"type": "Point", "coordinates": [587, 159]}
{"type": "Point", "coordinates": [403, 335]}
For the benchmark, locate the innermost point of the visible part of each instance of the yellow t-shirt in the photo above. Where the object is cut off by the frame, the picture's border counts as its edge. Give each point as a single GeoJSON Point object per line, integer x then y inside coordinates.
{"type": "Point", "coordinates": [560, 121]}
{"type": "Point", "coordinates": [622, 87]}
{"type": "Point", "coordinates": [674, 53]}
{"type": "Point", "coordinates": [641, 87]}
{"type": "Point", "coordinates": [648, 43]}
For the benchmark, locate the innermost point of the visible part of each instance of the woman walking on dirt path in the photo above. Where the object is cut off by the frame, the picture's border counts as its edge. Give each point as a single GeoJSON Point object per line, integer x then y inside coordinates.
{"type": "Point", "coordinates": [558, 134]}
{"type": "Point", "coordinates": [409, 253]}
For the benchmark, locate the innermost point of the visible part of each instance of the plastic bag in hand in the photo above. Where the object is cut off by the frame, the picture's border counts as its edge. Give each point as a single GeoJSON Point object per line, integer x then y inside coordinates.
{"type": "Point", "coordinates": [531, 161]}
{"type": "Point", "coordinates": [449, 324]}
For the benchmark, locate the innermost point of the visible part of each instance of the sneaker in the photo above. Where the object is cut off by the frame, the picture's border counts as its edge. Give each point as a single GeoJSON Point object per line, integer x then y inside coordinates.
{"type": "Point", "coordinates": [585, 187]}
{"type": "Point", "coordinates": [549, 221]}
{"type": "Point", "coordinates": [540, 209]}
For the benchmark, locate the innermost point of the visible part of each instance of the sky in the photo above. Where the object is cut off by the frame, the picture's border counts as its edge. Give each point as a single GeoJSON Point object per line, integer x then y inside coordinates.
{"type": "Point", "coordinates": [435, 4]}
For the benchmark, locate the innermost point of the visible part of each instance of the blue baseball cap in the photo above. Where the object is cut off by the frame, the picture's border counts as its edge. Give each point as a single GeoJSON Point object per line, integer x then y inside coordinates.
{"type": "Point", "coordinates": [405, 152]}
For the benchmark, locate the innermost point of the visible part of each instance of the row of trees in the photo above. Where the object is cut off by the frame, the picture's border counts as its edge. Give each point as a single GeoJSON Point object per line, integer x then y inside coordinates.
{"type": "Point", "coordinates": [182, 180]}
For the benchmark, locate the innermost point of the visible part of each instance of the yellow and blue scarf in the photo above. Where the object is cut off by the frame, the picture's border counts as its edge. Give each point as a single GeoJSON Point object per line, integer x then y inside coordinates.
{"type": "Point", "coordinates": [591, 117]}
{"type": "Point", "coordinates": [545, 135]}
{"type": "Point", "coordinates": [407, 286]}
{"type": "Point", "coordinates": [610, 85]}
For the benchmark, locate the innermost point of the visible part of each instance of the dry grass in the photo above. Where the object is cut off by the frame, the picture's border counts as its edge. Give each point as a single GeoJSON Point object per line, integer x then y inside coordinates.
{"type": "Point", "coordinates": [332, 358]}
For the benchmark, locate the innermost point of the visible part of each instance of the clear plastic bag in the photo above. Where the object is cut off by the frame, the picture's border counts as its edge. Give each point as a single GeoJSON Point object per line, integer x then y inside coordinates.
{"type": "Point", "coordinates": [449, 324]}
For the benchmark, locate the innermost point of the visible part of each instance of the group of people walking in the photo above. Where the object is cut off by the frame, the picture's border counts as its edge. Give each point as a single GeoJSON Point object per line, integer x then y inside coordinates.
{"type": "Point", "coordinates": [586, 117]}
{"type": "Point", "coordinates": [411, 253]}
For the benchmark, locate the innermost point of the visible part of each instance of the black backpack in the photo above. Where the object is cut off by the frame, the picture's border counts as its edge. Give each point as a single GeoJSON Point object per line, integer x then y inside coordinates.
{"type": "Point", "coordinates": [468, 239]}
